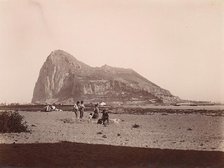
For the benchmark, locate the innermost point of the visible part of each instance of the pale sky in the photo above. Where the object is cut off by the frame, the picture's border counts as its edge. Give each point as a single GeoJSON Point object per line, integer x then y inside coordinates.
{"type": "Point", "coordinates": [177, 44]}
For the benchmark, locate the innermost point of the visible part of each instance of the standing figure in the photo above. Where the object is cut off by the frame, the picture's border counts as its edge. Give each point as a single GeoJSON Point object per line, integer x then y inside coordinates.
{"type": "Point", "coordinates": [81, 109]}
{"type": "Point", "coordinates": [96, 112]}
{"type": "Point", "coordinates": [76, 108]}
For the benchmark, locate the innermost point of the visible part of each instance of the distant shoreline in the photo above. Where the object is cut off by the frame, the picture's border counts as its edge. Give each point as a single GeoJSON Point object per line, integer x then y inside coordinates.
{"type": "Point", "coordinates": [213, 110]}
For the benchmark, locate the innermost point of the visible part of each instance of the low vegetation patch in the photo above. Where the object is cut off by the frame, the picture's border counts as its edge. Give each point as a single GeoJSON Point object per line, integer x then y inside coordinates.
{"type": "Point", "coordinates": [135, 126]}
{"type": "Point", "coordinates": [99, 133]}
{"type": "Point", "coordinates": [12, 122]}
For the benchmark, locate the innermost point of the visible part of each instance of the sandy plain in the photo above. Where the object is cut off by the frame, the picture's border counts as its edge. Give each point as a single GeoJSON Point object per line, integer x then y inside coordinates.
{"type": "Point", "coordinates": [159, 134]}
{"type": "Point", "coordinates": [157, 130]}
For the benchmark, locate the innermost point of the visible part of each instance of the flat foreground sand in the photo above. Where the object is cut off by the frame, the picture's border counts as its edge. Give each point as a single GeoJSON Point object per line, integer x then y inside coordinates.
{"type": "Point", "coordinates": [164, 131]}
{"type": "Point", "coordinates": [57, 139]}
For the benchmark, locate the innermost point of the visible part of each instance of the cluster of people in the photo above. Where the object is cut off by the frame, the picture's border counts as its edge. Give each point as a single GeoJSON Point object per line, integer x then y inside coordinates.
{"type": "Point", "coordinates": [79, 108]}
{"type": "Point", "coordinates": [49, 108]}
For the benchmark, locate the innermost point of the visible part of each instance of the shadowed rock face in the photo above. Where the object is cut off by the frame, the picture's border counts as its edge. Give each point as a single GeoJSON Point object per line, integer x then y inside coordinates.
{"type": "Point", "coordinates": [64, 79]}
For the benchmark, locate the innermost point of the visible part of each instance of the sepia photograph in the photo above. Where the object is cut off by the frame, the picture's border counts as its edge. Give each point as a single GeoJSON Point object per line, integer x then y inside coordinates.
{"type": "Point", "coordinates": [112, 84]}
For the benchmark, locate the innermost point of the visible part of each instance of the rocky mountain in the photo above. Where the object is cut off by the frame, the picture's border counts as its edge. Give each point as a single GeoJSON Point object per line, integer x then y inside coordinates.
{"type": "Point", "coordinates": [64, 79]}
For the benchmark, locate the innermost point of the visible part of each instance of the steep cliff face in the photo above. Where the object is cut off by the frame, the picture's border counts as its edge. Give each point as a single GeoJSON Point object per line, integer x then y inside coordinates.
{"type": "Point", "coordinates": [64, 79]}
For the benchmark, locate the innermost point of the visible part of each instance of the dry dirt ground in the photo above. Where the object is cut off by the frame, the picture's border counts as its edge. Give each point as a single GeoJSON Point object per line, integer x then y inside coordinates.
{"type": "Point", "coordinates": [57, 139]}
{"type": "Point", "coordinates": [164, 131]}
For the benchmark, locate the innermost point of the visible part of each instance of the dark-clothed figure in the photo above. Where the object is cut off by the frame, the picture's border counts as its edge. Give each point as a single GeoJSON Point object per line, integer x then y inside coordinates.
{"type": "Point", "coordinates": [105, 117]}
{"type": "Point", "coordinates": [81, 109]}
{"type": "Point", "coordinates": [96, 112]}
